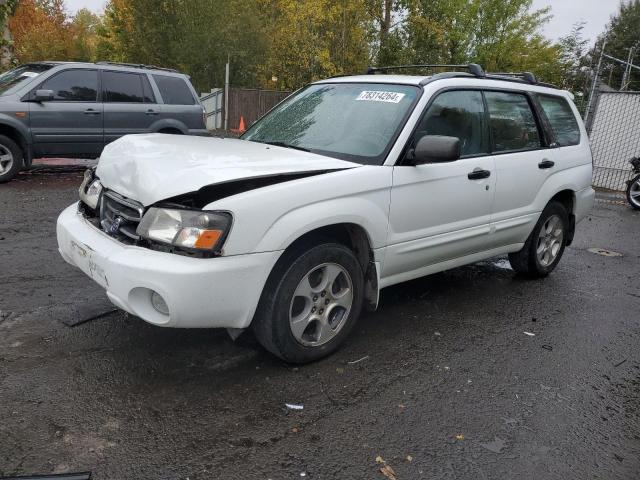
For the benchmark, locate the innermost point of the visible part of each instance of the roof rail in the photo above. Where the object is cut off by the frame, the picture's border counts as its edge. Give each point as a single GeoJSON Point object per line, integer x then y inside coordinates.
{"type": "Point", "coordinates": [137, 65]}
{"type": "Point", "coordinates": [473, 68]}
{"type": "Point", "coordinates": [526, 76]}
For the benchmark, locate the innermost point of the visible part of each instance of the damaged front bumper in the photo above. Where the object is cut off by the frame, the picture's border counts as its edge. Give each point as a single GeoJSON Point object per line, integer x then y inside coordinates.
{"type": "Point", "coordinates": [197, 292]}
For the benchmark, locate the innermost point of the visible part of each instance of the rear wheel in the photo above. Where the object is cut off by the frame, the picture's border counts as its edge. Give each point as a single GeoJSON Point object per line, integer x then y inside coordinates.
{"type": "Point", "coordinates": [310, 303]}
{"type": "Point", "coordinates": [633, 192]}
{"type": "Point", "coordinates": [544, 247]}
{"type": "Point", "coordinates": [10, 159]}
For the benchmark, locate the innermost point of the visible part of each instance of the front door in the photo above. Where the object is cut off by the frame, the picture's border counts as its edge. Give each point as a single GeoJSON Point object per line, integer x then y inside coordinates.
{"type": "Point", "coordinates": [71, 123]}
{"type": "Point", "coordinates": [442, 211]}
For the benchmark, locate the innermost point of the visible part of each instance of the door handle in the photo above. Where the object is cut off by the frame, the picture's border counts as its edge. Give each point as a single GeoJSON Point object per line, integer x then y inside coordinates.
{"type": "Point", "coordinates": [91, 111]}
{"type": "Point", "coordinates": [546, 164]}
{"type": "Point", "coordinates": [151, 112]}
{"type": "Point", "coordinates": [478, 174]}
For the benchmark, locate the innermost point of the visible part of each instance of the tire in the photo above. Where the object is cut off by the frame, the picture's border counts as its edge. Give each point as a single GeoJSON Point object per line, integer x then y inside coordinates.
{"type": "Point", "coordinates": [527, 261]}
{"type": "Point", "coordinates": [633, 192]}
{"type": "Point", "coordinates": [11, 157]}
{"type": "Point", "coordinates": [324, 316]}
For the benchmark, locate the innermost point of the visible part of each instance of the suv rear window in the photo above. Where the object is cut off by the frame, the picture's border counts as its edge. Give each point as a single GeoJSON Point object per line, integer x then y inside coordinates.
{"type": "Point", "coordinates": [513, 124]}
{"type": "Point", "coordinates": [174, 90]}
{"type": "Point", "coordinates": [121, 87]}
{"type": "Point", "coordinates": [563, 122]}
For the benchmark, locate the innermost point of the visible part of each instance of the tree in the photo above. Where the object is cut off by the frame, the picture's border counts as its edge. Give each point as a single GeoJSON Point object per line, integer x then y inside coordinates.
{"type": "Point", "coordinates": [84, 27]}
{"type": "Point", "coordinates": [622, 33]}
{"type": "Point", "coordinates": [35, 20]}
{"type": "Point", "coordinates": [312, 39]}
{"type": "Point", "coordinates": [7, 9]}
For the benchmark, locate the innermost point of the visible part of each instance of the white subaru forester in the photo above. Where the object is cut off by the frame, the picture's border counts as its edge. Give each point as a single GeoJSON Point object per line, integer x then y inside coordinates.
{"type": "Point", "coordinates": [348, 186]}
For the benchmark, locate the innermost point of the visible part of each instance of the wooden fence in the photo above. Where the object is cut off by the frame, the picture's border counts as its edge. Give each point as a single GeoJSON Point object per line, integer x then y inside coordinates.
{"type": "Point", "coordinates": [251, 104]}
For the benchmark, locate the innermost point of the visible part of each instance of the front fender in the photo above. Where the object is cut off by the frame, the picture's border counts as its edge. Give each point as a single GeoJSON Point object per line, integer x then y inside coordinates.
{"type": "Point", "coordinates": [271, 218]}
{"type": "Point", "coordinates": [18, 125]}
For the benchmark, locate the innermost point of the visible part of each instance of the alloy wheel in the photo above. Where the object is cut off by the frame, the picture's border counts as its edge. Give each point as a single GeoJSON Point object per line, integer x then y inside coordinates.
{"type": "Point", "coordinates": [550, 240]}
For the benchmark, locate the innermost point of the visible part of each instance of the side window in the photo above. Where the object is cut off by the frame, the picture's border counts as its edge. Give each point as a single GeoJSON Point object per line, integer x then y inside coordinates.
{"type": "Point", "coordinates": [174, 90]}
{"type": "Point", "coordinates": [562, 120]}
{"type": "Point", "coordinates": [458, 113]}
{"type": "Point", "coordinates": [122, 87]}
{"type": "Point", "coordinates": [73, 86]}
{"type": "Point", "coordinates": [513, 124]}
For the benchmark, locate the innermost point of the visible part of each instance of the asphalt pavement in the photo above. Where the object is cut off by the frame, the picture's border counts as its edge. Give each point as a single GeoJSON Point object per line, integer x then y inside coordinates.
{"type": "Point", "coordinates": [474, 373]}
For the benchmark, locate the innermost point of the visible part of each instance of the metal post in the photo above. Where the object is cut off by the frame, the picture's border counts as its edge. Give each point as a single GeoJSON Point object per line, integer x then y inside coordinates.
{"type": "Point", "coordinates": [595, 82]}
{"type": "Point", "coordinates": [627, 70]}
{"type": "Point", "coordinates": [226, 95]}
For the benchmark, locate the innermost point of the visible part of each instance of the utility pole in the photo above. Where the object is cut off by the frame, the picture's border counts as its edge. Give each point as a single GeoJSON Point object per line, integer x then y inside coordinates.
{"type": "Point", "coordinates": [226, 94]}
{"type": "Point", "coordinates": [627, 71]}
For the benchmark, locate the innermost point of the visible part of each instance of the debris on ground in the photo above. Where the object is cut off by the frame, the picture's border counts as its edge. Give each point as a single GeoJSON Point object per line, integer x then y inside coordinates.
{"type": "Point", "coordinates": [620, 363]}
{"type": "Point", "coordinates": [293, 406]}
{"type": "Point", "coordinates": [495, 446]}
{"type": "Point", "coordinates": [460, 437]}
{"type": "Point", "coordinates": [530, 334]}
{"type": "Point", "coordinates": [386, 469]}
{"type": "Point", "coordinates": [358, 361]}
{"type": "Point", "coordinates": [604, 252]}
{"type": "Point", "coordinates": [409, 458]}
{"type": "Point", "coordinates": [547, 347]}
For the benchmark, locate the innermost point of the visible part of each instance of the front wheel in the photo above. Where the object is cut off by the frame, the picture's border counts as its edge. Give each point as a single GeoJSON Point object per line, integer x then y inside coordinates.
{"type": "Point", "coordinates": [10, 159]}
{"type": "Point", "coordinates": [633, 192]}
{"type": "Point", "coordinates": [310, 303]}
{"type": "Point", "coordinates": [544, 247]}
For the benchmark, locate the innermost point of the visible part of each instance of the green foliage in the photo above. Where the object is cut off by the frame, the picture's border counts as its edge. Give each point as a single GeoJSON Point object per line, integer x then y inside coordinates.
{"type": "Point", "coordinates": [622, 33]}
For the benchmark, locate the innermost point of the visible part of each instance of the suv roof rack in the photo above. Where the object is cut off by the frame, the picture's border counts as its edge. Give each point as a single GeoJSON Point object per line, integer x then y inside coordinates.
{"type": "Point", "coordinates": [137, 65]}
{"type": "Point", "coordinates": [475, 69]}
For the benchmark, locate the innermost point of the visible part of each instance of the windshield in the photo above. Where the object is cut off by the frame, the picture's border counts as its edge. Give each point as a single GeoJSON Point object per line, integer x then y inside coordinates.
{"type": "Point", "coordinates": [350, 121]}
{"type": "Point", "coordinates": [21, 76]}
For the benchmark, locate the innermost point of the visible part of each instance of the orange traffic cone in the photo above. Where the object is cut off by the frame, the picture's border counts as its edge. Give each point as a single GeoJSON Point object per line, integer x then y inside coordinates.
{"type": "Point", "coordinates": [241, 128]}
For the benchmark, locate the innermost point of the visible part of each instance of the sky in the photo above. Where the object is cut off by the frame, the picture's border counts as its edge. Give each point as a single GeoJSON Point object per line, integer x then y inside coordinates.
{"type": "Point", "coordinates": [565, 13]}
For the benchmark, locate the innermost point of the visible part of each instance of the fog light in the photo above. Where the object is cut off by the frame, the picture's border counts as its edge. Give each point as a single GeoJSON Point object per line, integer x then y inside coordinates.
{"type": "Point", "coordinates": [159, 304]}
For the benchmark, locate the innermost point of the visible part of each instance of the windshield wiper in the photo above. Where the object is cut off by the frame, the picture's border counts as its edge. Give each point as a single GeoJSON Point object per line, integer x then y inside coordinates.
{"type": "Point", "coordinates": [287, 145]}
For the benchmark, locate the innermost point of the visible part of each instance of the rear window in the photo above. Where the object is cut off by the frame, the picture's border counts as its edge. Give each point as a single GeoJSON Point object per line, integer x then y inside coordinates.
{"type": "Point", "coordinates": [563, 121]}
{"type": "Point", "coordinates": [174, 90]}
{"type": "Point", "coordinates": [513, 124]}
{"type": "Point", "coordinates": [120, 87]}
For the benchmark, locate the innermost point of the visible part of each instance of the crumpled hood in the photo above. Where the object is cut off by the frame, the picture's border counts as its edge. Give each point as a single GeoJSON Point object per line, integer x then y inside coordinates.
{"type": "Point", "coordinates": [153, 167]}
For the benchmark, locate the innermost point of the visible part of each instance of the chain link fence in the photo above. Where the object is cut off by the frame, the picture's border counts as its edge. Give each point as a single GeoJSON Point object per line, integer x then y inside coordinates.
{"type": "Point", "coordinates": [614, 132]}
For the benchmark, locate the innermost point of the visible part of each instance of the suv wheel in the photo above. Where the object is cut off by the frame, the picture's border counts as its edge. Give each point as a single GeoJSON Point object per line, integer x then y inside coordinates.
{"type": "Point", "coordinates": [310, 303]}
{"type": "Point", "coordinates": [633, 192]}
{"type": "Point", "coordinates": [544, 247]}
{"type": "Point", "coordinates": [10, 159]}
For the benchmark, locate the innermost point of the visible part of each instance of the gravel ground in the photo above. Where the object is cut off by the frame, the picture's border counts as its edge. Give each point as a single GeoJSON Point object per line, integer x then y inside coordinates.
{"type": "Point", "coordinates": [442, 382]}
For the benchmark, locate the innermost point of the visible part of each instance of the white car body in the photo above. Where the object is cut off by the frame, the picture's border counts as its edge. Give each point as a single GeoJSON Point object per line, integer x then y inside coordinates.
{"type": "Point", "coordinates": [418, 220]}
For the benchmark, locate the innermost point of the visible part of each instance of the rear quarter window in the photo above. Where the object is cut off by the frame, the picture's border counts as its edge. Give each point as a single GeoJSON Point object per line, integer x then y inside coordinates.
{"type": "Point", "coordinates": [563, 121]}
{"type": "Point", "coordinates": [174, 90]}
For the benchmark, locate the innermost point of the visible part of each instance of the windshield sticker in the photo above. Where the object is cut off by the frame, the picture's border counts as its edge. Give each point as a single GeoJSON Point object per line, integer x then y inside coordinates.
{"type": "Point", "coordinates": [388, 97]}
{"type": "Point", "coordinates": [30, 74]}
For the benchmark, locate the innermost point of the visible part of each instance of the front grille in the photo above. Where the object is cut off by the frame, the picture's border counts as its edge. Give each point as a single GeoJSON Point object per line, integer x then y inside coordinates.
{"type": "Point", "coordinates": [119, 217]}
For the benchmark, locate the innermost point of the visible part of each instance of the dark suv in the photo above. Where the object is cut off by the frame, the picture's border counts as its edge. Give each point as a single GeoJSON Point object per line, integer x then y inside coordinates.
{"type": "Point", "coordinates": [61, 109]}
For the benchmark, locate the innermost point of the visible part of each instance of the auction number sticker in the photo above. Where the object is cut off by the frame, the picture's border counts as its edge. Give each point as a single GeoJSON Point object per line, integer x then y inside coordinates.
{"type": "Point", "coordinates": [376, 96]}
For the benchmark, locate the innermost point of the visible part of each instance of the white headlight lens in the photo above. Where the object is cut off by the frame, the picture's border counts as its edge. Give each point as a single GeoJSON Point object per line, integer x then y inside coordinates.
{"type": "Point", "coordinates": [185, 228]}
{"type": "Point", "coordinates": [91, 194]}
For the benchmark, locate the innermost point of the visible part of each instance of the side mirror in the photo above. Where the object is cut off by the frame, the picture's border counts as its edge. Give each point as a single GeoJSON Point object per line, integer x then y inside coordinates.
{"type": "Point", "coordinates": [435, 149]}
{"type": "Point", "coordinates": [43, 95]}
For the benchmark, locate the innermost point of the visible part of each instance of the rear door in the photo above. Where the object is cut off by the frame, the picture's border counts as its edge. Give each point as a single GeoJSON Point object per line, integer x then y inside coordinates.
{"type": "Point", "coordinates": [179, 103]}
{"type": "Point", "coordinates": [72, 122]}
{"type": "Point", "coordinates": [129, 104]}
{"type": "Point", "coordinates": [523, 164]}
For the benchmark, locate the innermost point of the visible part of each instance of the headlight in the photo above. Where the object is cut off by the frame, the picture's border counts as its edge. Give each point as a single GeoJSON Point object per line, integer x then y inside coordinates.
{"type": "Point", "coordinates": [193, 229]}
{"type": "Point", "coordinates": [90, 190]}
